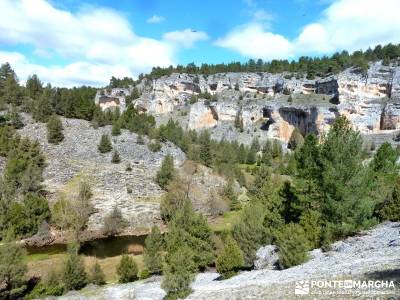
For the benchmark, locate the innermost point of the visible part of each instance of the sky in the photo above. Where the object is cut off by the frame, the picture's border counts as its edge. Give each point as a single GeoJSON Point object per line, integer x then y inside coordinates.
{"type": "Point", "coordinates": [85, 42]}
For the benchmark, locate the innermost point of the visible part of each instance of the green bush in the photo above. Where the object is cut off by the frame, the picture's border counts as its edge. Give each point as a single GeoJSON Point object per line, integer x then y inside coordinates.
{"type": "Point", "coordinates": [179, 271]}
{"type": "Point", "coordinates": [389, 209]}
{"type": "Point", "coordinates": [166, 172]}
{"type": "Point", "coordinates": [154, 146]}
{"type": "Point", "coordinates": [230, 259]}
{"type": "Point", "coordinates": [74, 275]}
{"type": "Point", "coordinates": [55, 130]}
{"type": "Point", "coordinates": [116, 129]}
{"type": "Point", "coordinates": [96, 275]}
{"type": "Point", "coordinates": [293, 246]}
{"type": "Point", "coordinates": [115, 159]}
{"type": "Point", "coordinates": [144, 274]}
{"type": "Point", "coordinates": [105, 144]}
{"type": "Point", "coordinates": [153, 251]}
{"type": "Point", "coordinates": [127, 269]}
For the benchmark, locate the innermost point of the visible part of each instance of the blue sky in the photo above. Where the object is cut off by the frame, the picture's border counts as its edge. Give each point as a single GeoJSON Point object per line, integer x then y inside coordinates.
{"type": "Point", "coordinates": [73, 42]}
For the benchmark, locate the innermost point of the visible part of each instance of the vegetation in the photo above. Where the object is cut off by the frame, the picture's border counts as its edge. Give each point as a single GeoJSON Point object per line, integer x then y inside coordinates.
{"type": "Point", "coordinates": [114, 222]}
{"type": "Point", "coordinates": [115, 159]}
{"type": "Point", "coordinates": [96, 275]}
{"type": "Point", "coordinates": [166, 172]}
{"type": "Point", "coordinates": [230, 259]}
{"type": "Point", "coordinates": [153, 252]}
{"type": "Point", "coordinates": [54, 130]}
{"type": "Point", "coordinates": [127, 269]}
{"type": "Point", "coordinates": [12, 268]}
{"type": "Point", "coordinates": [105, 144]}
{"type": "Point", "coordinates": [74, 275]}
{"type": "Point", "coordinates": [318, 66]}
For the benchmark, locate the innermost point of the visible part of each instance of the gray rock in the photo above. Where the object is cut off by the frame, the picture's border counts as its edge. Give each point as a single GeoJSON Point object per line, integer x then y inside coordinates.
{"type": "Point", "coordinates": [266, 258]}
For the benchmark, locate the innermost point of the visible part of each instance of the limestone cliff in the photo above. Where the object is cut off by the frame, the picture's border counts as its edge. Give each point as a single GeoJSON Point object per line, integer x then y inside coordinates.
{"type": "Point", "coordinates": [271, 105]}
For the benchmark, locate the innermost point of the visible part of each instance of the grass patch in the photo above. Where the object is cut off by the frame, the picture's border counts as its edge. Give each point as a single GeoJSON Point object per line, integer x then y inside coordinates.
{"type": "Point", "coordinates": [226, 221]}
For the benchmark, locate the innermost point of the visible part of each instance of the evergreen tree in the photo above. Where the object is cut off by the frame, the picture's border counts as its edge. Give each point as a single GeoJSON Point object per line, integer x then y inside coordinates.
{"type": "Point", "coordinates": [116, 129]}
{"type": "Point", "coordinates": [34, 86]}
{"type": "Point", "coordinates": [179, 271]}
{"type": "Point", "coordinates": [115, 157]}
{"type": "Point", "coordinates": [55, 130]}
{"type": "Point", "coordinates": [166, 172]}
{"type": "Point", "coordinates": [43, 108]}
{"type": "Point", "coordinates": [74, 275]}
{"type": "Point", "coordinates": [97, 276]}
{"type": "Point", "coordinates": [105, 144]}
{"type": "Point", "coordinates": [154, 246]}
{"type": "Point", "coordinates": [12, 268]}
{"type": "Point", "coordinates": [205, 148]}
{"type": "Point", "coordinates": [127, 269]}
{"type": "Point", "coordinates": [191, 229]}
{"type": "Point", "coordinates": [14, 119]}
{"type": "Point", "coordinates": [293, 246]}
{"type": "Point", "coordinates": [230, 260]}
{"type": "Point", "coordinates": [296, 139]}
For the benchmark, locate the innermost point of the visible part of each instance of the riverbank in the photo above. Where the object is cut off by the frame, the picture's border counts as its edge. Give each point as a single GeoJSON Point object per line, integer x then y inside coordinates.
{"type": "Point", "coordinates": [371, 255]}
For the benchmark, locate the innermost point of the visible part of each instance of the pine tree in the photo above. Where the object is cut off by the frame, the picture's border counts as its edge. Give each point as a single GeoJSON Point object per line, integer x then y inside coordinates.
{"type": "Point", "coordinates": [97, 276]}
{"type": "Point", "coordinates": [179, 271]}
{"type": "Point", "coordinates": [54, 130]}
{"type": "Point", "coordinates": [12, 267]}
{"type": "Point", "coordinates": [105, 144]}
{"type": "Point", "coordinates": [127, 269]}
{"type": "Point", "coordinates": [74, 270]}
{"type": "Point", "coordinates": [230, 259]}
{"type": "Point", "coordinates": [154, 246]}
{"type": "Point", "coordinates": [14, 119]}
{"type": "Point", "coordinates": [116, 128]}
{"type": "Point", "coordinates": [296, 139]}
{"type": "Point", "coordinates": [166, 172]}
{"type": "Point", "coordinates": [115, 157]}
{"type": "Point", "coordinates": [205, 148]}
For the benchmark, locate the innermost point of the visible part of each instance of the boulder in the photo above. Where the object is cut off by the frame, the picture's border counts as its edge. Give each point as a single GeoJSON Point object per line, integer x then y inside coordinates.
{"type": "Point", "coordinates": [266, 258]}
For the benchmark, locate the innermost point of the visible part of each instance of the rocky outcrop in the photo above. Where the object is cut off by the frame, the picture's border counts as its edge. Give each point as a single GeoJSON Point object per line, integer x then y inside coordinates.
{"type": "Point", "coordinates": [112, 98]}
{"type": "Point", "coordinates": [266, 258]}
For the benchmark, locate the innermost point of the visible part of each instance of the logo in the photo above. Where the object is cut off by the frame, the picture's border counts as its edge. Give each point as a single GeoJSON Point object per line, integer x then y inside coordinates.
{"type": "Point", "coordinates": [302, 287]}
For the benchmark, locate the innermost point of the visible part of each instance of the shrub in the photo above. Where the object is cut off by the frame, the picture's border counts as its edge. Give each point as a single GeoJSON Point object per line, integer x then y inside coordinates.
{"type": "Point", "coordinates": [143, 274]}
{"type": "Point", "coordinates": [52, 286]}
{"type": "Point", "coordinates": [293, 246]}
{"type": "Point", "coordinates": [128, 167]}
{"type": "Point", "coordinates": [127, 269]}
{"type": "Point", "coordinates": [115, 159]}
{"type": "Point", "coordinates": [116, 129]}
{"type": "Point", "coordinates": [105, 144]}
{"type": "Point", "coordinates": [296, 139]}
{"type": "Point", "coordinates": [74, 275]}
{"type": "Point", "coordinates": [230, 259]}
{"type": "Point", "coordinates": [389, 209]}
{"type": "Point", "coordinates": [179, 272]}
{"type": "Point", "coordinates": [114, 222]}
{"type": "Point", "coordinates": [54, 130]}
{"type": "Point", "coordinates": [166, 172]}
{"type": "Point", "coordinates": [96, 275]}
{"type": "Point", "coordinates": [154, 146]}
{"type": "Point", "coordinates": [154, 246]}
{"type": "Point", "coordinates": [140, 140]}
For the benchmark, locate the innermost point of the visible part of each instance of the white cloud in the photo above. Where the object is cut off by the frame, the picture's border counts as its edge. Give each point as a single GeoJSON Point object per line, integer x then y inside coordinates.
{"type": "Point", "coordinates": [185, 38]}
{"type": "Point", "coordinates": [252, 41]}
{"type": "Point", "coordinates": [98, 42]}
{"type": "Point", "coordinates": [154, 19]}
{"type": "Point", "coordinates": [345, 24]}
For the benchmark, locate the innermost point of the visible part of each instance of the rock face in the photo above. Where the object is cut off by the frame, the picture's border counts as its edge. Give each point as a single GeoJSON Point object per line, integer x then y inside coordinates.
{"type": "Point", "coordinates": [134, 192]}
{"type": "Point", "coordinates": [262, 105]}
{"type": "Point", "coordinates": [266, 258]}
{"type": "Point", "coordinates": [371, 255]}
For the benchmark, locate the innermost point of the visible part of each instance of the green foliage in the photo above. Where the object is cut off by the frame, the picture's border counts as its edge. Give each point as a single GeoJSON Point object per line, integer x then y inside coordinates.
{"type": "Point", "coordinates": [12, 267]}
{"type": "Point", "coordinates": [13, 118]}
{"type": "Point", "coordinates": [74, 275]}
{"type": "Point", "coordinates": [105, 144]}
{"type": "Point", "coordinates": [127, 269]}
{"type": "Point", "coordinates": [231, 196]}
{"type": "Point", "coordinates": [385, 159]}
{"type": "Point", "coordinates": [296, 139]}
{"type": "Point", "coordinates": [55, 130]}
{"type": "Point", "coordinates": [249, 233]}
{"type": "Point", "coordinates": [318, 66]}
{"type": "Point", "coordinates": [389, 209]}
{"type": "Point", "coordinates": [154, 146]}
{"type": "Point", "coordinates": [114, 222]}
{"type": "Point", "coordinates": [230, 260]}
{"type": "Point", "coordinates": [140, 140]}
{"type": "Point", "coordinates": [293, 246]}
{"type": "Point", "coordinates": [153, 251]}
{"type": "Point", "coordinates": [205, 148]}
{"type": "Point", "coordinates": [190, 229]}
{"type": "Point", "coordinates": [179, 271]}
{"type": "Point", "coordinates": [115, 159]}
{"type": "Point", "coordinates": [52, 286]}
{"type": "Point", "coordinates": [166, 172]}
{"type": "Point", "coordinates": [96, 275]}
{"type": "Point", "coordinates": [144, 274]}
{"type": "Point", "coordinates": [174, 199]}
{"type": "Point", "coordinates": [116, 129]}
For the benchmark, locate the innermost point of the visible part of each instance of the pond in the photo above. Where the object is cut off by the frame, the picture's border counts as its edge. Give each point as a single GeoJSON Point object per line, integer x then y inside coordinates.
{"type": "Point", "coordinates": [101, 248]}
